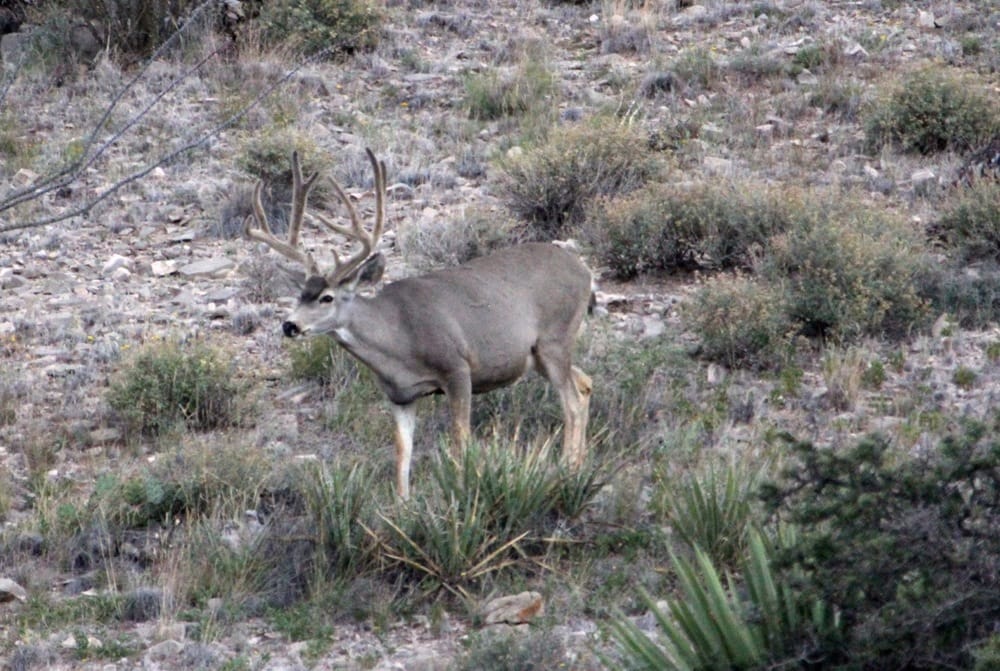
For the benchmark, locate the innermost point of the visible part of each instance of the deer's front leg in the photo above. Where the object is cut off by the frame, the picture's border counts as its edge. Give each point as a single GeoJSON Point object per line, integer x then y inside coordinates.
{"type": "Point", "coordinates": [405, 417]}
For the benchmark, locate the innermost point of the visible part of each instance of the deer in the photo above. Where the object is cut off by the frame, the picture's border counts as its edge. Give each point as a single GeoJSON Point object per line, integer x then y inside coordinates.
{"type": "Point", "coordinates": [456, 331]}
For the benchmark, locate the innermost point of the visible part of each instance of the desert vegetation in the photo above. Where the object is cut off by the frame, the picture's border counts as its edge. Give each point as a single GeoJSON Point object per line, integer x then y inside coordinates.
{"type": "Point", "coordinates": [791, 211]}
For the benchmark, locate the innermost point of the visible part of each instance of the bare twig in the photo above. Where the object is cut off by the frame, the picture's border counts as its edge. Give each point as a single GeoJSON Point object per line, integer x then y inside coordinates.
{"type": "Point", "coordinates": [89, 155]}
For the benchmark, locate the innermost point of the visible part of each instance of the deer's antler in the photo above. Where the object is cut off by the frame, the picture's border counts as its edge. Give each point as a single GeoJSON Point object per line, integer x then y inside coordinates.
{"type": "Point", "coordinates": [344, 267]}
{"type": "Point", "coordinates": [263, 232]}
{"type": "Point", "coordinates": [300, 195]}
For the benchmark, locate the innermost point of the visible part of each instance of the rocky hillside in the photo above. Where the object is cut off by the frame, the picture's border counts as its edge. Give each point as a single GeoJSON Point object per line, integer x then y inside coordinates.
{"type": "Point", "coordinates": [724, 90]}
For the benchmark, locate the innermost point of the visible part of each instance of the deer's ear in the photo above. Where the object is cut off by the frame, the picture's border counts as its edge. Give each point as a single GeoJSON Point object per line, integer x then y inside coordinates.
{"type": "Point", "coordinates": [369, 272]}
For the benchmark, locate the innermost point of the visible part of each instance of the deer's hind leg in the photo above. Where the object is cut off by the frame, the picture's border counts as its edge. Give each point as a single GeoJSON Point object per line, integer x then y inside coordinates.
{"type": "Point", "coordinates": [574, 388]}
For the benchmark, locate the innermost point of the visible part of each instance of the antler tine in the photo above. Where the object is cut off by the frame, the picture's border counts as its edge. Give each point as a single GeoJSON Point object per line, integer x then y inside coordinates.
{"type": "Point", "coordinates": [356, 231]}
{"type": "Point", "coordinates": [263, 232]}
{"type": "Point", "coordinates": [378, 167]}
{"type": "Point", "coordinates": [300, 195]}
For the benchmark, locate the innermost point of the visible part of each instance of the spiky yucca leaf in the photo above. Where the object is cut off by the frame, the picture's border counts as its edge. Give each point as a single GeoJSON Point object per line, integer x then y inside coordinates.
{"type": "Point", "coordinates": [710, 626]}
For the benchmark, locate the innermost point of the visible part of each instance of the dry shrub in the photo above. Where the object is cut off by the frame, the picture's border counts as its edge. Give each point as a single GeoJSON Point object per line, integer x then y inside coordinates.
{"type": "Point", "coordinates": [741, 323]}
{"type": "Point", "coordinates": [665, 228]}
{"type": "Point", "coordinates": [850, 271]}
{"type": "Point", "coordinates": [931, 111]}
{"type": "Point", "coordinates": [551, 184]}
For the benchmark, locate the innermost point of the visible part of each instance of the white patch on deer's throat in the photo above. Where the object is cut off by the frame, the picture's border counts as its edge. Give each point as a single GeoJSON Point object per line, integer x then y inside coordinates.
{"type": "Point", "coordinates": [344, 335]}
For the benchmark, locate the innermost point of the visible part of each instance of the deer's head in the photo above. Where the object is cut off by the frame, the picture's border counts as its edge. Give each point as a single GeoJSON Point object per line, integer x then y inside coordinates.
{"type": "Point", "coordinates": [325, 297]}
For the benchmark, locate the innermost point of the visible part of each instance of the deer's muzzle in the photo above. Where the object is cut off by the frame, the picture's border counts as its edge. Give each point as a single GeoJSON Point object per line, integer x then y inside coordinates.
{"type": "Point", "coordinates": [290, 329]}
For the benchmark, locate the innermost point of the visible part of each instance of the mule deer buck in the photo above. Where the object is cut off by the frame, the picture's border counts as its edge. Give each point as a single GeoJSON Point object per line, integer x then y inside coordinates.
{"type": "Point", "coordinates": [458, 331]}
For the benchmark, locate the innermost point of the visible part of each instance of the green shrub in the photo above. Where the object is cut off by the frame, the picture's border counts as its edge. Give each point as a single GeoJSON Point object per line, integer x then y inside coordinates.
{"type": "Point", "coordinates": [521, 651]}
{"type": "Point", "coordinates": [191, 482]}
{"type": "Point", "coordinates": [664, 228]}
{"type": "Point", "coordinates": [337, 27]}
{"type": "Point", "coordinates": [551, 184]}
{"type": "Point", "coordinates": [849, 271]}
{"type": "Point", "coordinates": [495, 94]}
{"type": "Point", "coordinates": [930, 111]}
{"type": "Point", "coordinates": [741, 322]}
{"type": "Point", "coordinates": [972, 223]}
{"type": "Point", "coordinates": [970, 295]}
{"type": "Point", "coordinates": [167, 384]}
{"type": "Point", "coordinates": [130, 28]}
{"type": "Point", "coordinates": [903, 544]}
{"type": "Point", "coordinates": [696, 67]}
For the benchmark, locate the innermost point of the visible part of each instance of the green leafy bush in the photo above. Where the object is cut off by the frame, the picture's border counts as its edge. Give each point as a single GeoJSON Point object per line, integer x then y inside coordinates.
{"type": "Point", "coordinates": [167, 384]}
{"type": "Point", "coordinates": [663, 228]}
{"type": "Point", "coordinates": [970, 295]}
{"type": "Point", "coordinates": [972, 223]}
{"type": "Point", "coordinates": [932, 110]}
{"type": "Point", "coordinates": [850, 271]}
{"type": "Point", "coordinates": [741, 322]}
{"type": "Point", "coordinates": [338, 27]}
{"type": "Point", "coordinates": [75, 29]}
{"type": "Point", "coordinates": [904, 545]}
{"type": "Point", "coordinates": [550, 185]}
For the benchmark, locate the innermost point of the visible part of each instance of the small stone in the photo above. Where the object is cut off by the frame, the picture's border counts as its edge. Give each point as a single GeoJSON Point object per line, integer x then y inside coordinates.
{"type": "Point", "coordinates": [208, 267]}
{"type": "Point", "coordinates": [717, 165]}
{"type": "Point", "coordinates": [516, 609]}
{"type": "Point", "coordinates": [163, 268]}
{"type": "Point", "coordinates": [114, 263]}
{"type": "Point", "coordinates": [164, 650]}
{"type": "Point", "coordinates": [923, 180]}
{"type": "Point", "coordinates": [10, 590]}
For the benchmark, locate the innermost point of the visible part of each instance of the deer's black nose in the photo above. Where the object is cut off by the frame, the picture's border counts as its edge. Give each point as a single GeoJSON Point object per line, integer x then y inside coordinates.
{"type": "Point", "coordinates": [290, 329]}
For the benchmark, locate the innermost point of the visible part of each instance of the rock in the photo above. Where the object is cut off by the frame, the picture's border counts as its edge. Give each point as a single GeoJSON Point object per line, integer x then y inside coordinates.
{"type": "Point", "coordinates": [10, 590]}
{"type": "Point", "coordinates": [24, 177]}
{"type": "Point", "coordinates": [164, 650]}
{"type": "Point", "coordinates": [924, 181]}
{"type": "Point", "coordinates": [517, 609]}
{"type": "Point", "coordinates": [8, 280]}
{"type": "Point", "coordinates": [13, 47]}
{"type": "Point", "coordinates": [208, 267]}
{"type": "Point", "coordinates": [856, 51]}
{"type": "Point", "coordinates": [926, 19]}
{"type": "Point", "coordinates": [717, 165]}
{"type": "Point", "coordinates": [106, 436]}
{"type": "Point", "coordinates": [143, 604]}
{"type": "Point", "coordinates": [163, 268]}
{"type": "Point", "coordinates": [114, 263]}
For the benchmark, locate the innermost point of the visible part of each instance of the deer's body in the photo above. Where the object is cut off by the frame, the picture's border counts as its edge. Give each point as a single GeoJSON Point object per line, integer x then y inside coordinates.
{"type": "Point", "coordinates": [457, 331]}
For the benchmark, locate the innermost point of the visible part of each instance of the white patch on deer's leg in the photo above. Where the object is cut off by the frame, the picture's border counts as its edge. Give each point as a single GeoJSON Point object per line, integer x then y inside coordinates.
{"type": "Point", "coordinates": [584, 387]}
{"type": "Point", "coordinates": [459, 393]}
{"type": "Point", "coordinates": [405, 417]}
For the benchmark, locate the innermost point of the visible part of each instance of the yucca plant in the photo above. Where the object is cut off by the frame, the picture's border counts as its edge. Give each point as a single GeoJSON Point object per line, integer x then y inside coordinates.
{"type": "Point", "coordinates": [485, 512]}
{"type": "Point", "coordinates": [712, 511]}
{"type": "Point", "coordinates": [712, 625]}
{"type": "Point", "coordinates": [339, 499]}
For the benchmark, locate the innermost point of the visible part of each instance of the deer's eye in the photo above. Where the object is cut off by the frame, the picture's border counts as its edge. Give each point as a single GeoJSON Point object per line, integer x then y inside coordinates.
{"type": "Point", "coordinates": [326, 299]}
